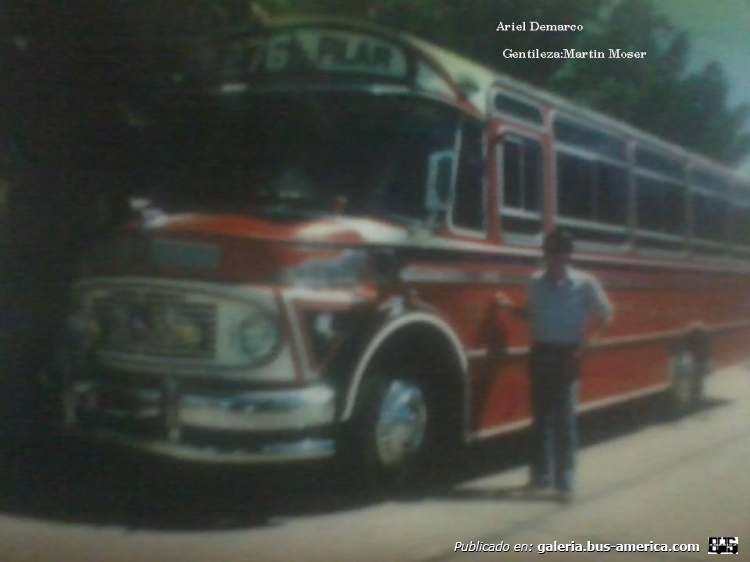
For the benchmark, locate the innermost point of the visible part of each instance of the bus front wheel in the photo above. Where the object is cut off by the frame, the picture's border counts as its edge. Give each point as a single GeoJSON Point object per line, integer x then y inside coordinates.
{"type": "Point", "coordinates": [393, 429]}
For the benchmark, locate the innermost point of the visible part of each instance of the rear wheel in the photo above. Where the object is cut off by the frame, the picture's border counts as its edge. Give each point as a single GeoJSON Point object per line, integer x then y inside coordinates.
{"type": "Point", "coordinates": [687, 371]}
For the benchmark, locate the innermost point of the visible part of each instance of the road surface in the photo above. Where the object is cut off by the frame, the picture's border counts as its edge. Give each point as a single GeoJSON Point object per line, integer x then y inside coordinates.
{"type": "Point", "coordinates": [641, 480]}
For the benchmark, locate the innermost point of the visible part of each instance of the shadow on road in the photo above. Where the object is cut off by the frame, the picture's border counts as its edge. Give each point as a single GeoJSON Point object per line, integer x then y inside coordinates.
{"type": "Point", "coordinates": [76, 484]}
{"type": "Point", "coordinates": [596, 427]}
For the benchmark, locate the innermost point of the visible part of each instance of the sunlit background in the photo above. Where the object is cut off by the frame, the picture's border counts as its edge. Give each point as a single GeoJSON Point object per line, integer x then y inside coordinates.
{"type": "Point", "coordinates": [718, 31]}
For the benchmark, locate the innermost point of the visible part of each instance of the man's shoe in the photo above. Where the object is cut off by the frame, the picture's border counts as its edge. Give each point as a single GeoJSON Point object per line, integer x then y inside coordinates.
{"type": "Point", "coordinates": [532, 487]}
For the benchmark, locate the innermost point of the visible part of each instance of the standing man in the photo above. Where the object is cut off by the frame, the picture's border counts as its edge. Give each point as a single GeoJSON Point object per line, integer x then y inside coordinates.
{"type": "Point", "coordinates": [560, 302]}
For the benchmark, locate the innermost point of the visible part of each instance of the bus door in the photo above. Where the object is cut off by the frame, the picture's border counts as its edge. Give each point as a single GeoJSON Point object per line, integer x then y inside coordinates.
{"type": "Point", "coordinates": [516, 183]}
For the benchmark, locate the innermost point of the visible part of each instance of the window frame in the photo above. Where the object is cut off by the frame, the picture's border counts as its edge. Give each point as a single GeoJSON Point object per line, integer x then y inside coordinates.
{"type": "Point", "coordinates": [643, 232]}
{"type": "Point", "coordinates": [562, 119]}
{"type": "Point", "coordinates": [739, 203]}
{"type": "Point", "coordinates": [522, 211]}
{"type": "Point", "coordinates": [512, 117]}
{"type": "Point", "coordinates": [514, 237]}
{"type": "Point", "coordinates": [694, 189]}
{"type": "Point", "coordinates": [592, 225]}
{"type": "Point", "coordinates": [482, 234]}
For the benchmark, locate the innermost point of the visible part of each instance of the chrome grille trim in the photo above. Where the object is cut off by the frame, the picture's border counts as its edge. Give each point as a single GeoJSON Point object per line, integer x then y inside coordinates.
{"type": "Point", "coordinates": [116, 311]}
{"type": "Point", "coordinates": [231, 302]}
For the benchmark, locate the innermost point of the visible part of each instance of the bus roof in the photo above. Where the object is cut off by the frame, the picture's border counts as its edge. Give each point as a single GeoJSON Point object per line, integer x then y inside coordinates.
{"type": "Point", "coordinates": [476, 82]}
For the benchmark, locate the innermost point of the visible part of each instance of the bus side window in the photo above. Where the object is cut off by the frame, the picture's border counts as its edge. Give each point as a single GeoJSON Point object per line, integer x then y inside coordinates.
{"type": "Point", "coordinates": [743, 235]}
{"type": "Point", "coordinates": [440, 181]}
{"type": "Point", "coordinates": [740, 231]}
{"type": "Point", "coordinates": [575, 195]}
{"type": "Point", "coordinates": [468, 205]}
{"type": "Point", "coordinates": [592, 197]}
{"type": "Point", "coordinates": [521, 196]}
{"type": "Point", "coordinates": [661, 205]}
{"type": "Point", "coordinates": [709, 216]}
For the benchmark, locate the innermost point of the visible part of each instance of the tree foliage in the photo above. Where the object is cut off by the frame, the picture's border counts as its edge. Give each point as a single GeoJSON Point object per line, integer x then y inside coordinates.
{"type": "Point", "coordinates": [103, 44]}
{"type": "Point", "coordinates": [656, 93]}
{"type": "Point", "coordinates": [467, 27]}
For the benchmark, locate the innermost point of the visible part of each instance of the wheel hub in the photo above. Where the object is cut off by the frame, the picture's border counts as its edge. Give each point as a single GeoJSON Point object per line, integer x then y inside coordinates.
{"type": "Point", "coordinates": [401, 424]}
{"type": "Point", "coordinates": [684, 372]}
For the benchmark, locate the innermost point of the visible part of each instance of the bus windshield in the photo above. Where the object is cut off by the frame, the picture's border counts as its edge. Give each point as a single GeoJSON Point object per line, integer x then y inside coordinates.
{"type": "Point", "coordinates": [294, 153]}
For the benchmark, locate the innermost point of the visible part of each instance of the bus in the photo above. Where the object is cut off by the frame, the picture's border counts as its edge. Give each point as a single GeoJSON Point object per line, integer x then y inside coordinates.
{"type": "Point", "coordinates": [325, 212]}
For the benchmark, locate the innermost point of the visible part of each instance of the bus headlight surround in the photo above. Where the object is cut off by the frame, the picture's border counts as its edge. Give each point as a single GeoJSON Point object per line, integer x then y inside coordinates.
{"type": "Point", "coordinates": [259, 337]}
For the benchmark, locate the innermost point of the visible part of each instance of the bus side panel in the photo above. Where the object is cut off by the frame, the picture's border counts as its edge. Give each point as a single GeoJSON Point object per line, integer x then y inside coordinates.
{"type": "Point", "coordinates": [499, 396]}
{"type": "Point", "coordinates": [502, 397]}
{"type": "Point", "coordinates": [627, 369]}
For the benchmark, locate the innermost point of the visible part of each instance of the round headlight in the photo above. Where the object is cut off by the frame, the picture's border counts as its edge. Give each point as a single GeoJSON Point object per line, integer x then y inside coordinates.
{"type": "Point", "coordinates": [259, 336]}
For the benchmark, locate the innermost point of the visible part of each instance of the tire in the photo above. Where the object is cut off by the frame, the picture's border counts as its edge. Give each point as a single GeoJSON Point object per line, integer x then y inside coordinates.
{"type": "Point", "coordinates": [395, 427]}
{"type": "Point", "coordinates": [686, 390]}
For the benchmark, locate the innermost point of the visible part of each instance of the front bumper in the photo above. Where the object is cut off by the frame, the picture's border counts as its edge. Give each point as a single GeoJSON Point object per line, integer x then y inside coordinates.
{"type": "Point", "coordinates": [171, 417]}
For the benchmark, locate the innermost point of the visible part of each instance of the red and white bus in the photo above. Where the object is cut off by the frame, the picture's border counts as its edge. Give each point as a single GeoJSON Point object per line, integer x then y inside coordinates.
{"type": "Point", "coordinates": [328, 212]}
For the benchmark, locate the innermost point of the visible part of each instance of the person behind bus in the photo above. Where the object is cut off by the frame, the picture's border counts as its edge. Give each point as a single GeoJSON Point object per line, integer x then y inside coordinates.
{"type": "Point", "coordinates": [559, 303]}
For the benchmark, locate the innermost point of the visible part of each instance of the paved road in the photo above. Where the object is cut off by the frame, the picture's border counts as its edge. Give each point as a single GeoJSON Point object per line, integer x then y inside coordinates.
{"type": "Point", "coordinates": [642, 479]}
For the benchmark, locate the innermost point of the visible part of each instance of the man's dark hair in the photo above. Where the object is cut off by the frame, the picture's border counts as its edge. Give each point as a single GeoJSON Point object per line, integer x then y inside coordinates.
{"type": "Point", "coordinates": [558, 241]}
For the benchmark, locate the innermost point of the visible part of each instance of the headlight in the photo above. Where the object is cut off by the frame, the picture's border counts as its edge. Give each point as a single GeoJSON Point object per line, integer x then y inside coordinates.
{"type": "Point", "coordinates": [259, 336]}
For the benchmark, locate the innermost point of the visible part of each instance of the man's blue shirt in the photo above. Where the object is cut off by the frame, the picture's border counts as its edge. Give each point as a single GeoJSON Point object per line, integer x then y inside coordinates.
{"type": "Point", "coordinates": [558, 311]}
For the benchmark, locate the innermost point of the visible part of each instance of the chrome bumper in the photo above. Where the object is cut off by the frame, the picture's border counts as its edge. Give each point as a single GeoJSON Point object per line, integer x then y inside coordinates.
{"type": "Point", "coordinates": [174, 420]}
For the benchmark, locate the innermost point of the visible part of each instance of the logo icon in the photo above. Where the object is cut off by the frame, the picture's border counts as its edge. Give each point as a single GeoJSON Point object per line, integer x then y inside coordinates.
{"type": "Point", "coordinates": [723, 545]}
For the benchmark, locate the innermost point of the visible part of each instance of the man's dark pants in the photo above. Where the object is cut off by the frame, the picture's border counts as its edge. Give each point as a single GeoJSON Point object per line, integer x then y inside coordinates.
{"type": "Point", "coordinates": [553, 371]}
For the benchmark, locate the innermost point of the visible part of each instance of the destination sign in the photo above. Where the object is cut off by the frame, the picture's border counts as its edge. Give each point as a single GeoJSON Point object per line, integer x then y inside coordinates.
{"type": "Point", "coordinates": [329, 51]}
